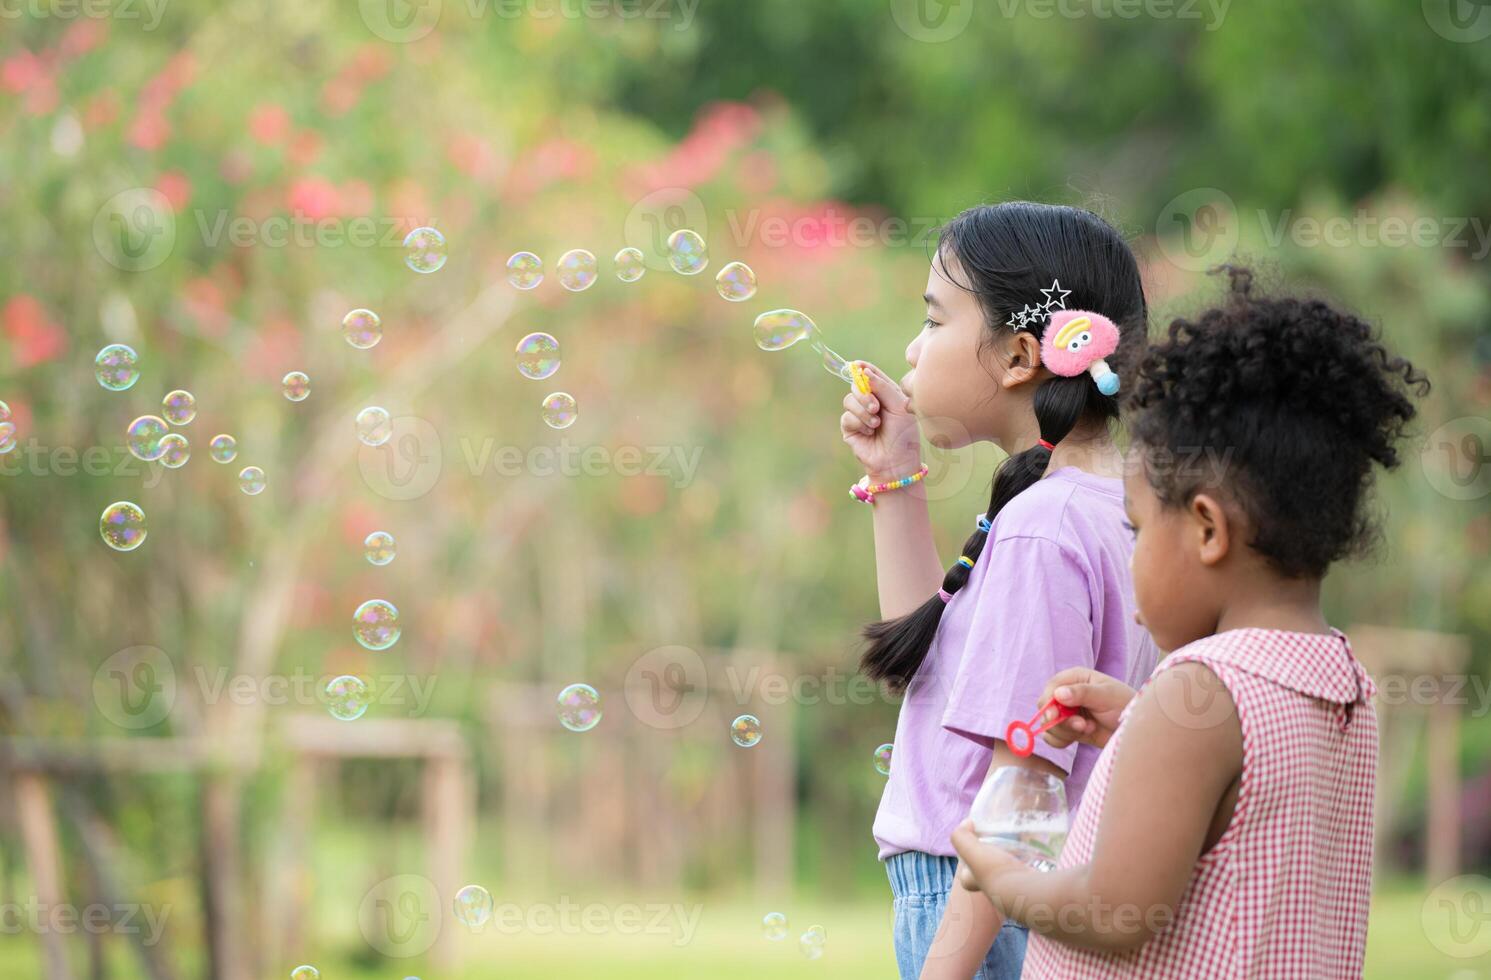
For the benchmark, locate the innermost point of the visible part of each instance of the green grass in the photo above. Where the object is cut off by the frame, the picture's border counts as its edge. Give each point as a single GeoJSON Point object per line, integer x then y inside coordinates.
{"type": "Point", "coordinates": [727, 945]}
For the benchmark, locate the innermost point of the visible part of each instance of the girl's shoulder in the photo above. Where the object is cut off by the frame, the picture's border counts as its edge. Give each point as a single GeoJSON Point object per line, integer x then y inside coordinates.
{"type": "Point", "coordinates": [1316, 665]}
{"type": "Point", "coordinates": [1066, 507]}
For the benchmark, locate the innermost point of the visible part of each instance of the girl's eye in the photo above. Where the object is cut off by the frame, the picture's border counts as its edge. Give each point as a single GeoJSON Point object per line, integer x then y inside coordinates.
{"type": "Point", "coordinates": [1131, 529]}
{"type": "Point", "coordinates": [929, 323]}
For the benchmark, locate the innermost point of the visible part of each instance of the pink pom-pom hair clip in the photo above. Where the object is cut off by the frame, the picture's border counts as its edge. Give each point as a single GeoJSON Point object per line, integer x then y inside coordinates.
{"type": "Point", "coordinates": [1080, 340]}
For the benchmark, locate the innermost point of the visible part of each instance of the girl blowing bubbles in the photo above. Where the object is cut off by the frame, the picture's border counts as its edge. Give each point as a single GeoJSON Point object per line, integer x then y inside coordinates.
{"type": "Point", "coordinates": [1227, 828]}
{"type": "Point", "coordinates": [1042, 585]}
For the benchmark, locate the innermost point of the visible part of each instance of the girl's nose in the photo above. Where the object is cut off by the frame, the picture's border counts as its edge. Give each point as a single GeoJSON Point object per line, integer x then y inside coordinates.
{"type": "Point", "coordinates": [913, 350]}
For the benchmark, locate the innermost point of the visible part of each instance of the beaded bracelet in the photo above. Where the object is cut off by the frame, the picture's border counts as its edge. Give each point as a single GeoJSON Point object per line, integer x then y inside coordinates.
{"type": "Point", "coordinates": [864, 492]}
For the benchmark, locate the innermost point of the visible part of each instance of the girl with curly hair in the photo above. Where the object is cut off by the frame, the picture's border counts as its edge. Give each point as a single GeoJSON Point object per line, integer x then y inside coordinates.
{"type": "Point", "coordinates": [1226, 830]}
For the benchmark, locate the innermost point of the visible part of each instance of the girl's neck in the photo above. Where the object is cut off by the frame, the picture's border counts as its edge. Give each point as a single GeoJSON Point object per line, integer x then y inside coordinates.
{"type": "Point", "coordinates": [1265, 601]}
{"type": "Point", "coordinates": [1100, 457]}
{"type": "Point", "coordinates": [1091, 450]}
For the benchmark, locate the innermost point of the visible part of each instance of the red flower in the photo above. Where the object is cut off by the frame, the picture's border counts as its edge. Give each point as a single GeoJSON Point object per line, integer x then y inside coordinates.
{"type": "Point", "coordinates": [305, 147]}
{"type": "Point", "coordinates": [149, 130]}
{"type": "Point", "coordinates": [339, 95]}
{"type": "Point", "coordinates": [176, 187]}
{"type": "Point", "coordinates": [101, 110]}
{"type": "Point", "coordinates": [314, 197]}
{"type": "Point", "coordinates": [269, 123]}
{"type": "Point", "coordinates": [83, 36]}
{"type": "Point", "coordinates": [34, 337]}
{"type": "Point", "coordinates": [21, 71]}
{"type": "Point", "coordinates": [205, 302]}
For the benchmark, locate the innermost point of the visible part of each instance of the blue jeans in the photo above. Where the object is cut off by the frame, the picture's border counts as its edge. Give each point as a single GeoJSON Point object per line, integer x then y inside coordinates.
{"type": "Point", "coordinates": [920, 883]}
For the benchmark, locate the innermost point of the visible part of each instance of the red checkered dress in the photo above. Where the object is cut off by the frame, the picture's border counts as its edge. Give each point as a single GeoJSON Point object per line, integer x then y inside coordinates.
{"type": "Point", "coordinates": [1285, 891]}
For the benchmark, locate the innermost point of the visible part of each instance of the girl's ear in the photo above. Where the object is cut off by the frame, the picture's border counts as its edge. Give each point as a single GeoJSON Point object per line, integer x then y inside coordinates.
{"type": "Point", "coordinates": [1024, 359]}
{"type": "Point", "coordinates": [1213, 532]}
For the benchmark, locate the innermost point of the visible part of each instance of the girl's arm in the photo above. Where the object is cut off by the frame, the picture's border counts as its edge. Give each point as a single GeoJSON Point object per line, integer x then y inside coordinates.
{"type": "Point", "coordinates": [970, 923]}
{"type": "Point", "coordinates": [887, 442]}
{"type": "Point", "coordinates": [969, 926]}
{"type": "Point", "coordinates": [1169, 797]}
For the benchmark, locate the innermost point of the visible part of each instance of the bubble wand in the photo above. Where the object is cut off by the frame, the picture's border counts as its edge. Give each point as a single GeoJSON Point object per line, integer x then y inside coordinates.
{"type": "Point", "coordinates": [1020, 736]}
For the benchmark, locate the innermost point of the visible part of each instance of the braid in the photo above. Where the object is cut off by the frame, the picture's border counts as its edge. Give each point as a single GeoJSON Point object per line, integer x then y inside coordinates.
{"type": "Point", "coordinates": [898, 647]}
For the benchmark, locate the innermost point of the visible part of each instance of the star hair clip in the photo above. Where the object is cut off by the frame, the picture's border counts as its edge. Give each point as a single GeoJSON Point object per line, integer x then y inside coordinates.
{"type": "Point", "coordinates": [1032, 314]}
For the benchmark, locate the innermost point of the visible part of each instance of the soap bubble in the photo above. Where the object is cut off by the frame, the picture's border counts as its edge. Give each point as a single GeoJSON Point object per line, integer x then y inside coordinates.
{"type": "Point", "coordinates": [179, 407]}
{"type": "Point", "coordinates": [736, 282]}
{"type": "Point", "coordinates": [882, 758]}
{"type": "Point", "coordinates": [4, 412]}
{"type": "Point", "coordinates": [123, 526]}
{"type": "Point", "coordinates": [347, 697]}
{"type": "Point", "coordinates": [538, 356]}
{"type": "Point", "coordinates": [362, 329]}
{"type": "Point", "coordinates": [833, 363]}
{"type": "Point", "coordinates": [630, 264]}
{"type": "Point", "coordinates": [559, 410]}
{"type": "Point", "coordinates": [297, 386]}
{"type": "Point", "coordinates": [375, 624]}
{"type": "Point", "coordinates": [7, 437]}
{"type": "Point", "coordinates": [251, 480]}
{"type": "Point", "coordinates": [424, 250]}
{"type": "Point", "coordinates": [378, 548]}
{"type": "Point", "coordinates": [780, 329]}
{"type": "Point", "coordinates": [577, 270]}
{"type": "Point", "coordinates": [686, 252]}
{"type": "Point", "coordinates": [374, 427]}
{"type": "Point", "coordinates": [144, 435]}
{"type": "Point", "coordinates": [811, 942]}
{"type": "Point", "coordinates": [304, 972]}
{"type": "Point", "coordinates": [746, 731]}
{"type": "Point", "coordinates": [774, 926]}
{"type": "Point", "coordinates": [223, 448]}
{"type": "Point", "coordinates": [117, 367]}
{"type": "Point", "coordinates": [473, 906]}
{"type": "Point", "coordinates": [525, 270]}
{"type": "Point", "coordinates": [175, 450]}
{"type": "Point", "coordinates": [579, 707]}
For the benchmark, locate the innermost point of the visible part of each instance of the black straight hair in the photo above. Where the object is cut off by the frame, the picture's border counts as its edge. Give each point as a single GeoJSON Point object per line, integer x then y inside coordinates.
{"type": "Point", "coordinates": [1007, 254]}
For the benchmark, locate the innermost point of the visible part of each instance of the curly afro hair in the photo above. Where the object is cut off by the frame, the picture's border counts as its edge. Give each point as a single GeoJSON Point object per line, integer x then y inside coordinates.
{"type": "Point", "coordinates": [1298, 399]}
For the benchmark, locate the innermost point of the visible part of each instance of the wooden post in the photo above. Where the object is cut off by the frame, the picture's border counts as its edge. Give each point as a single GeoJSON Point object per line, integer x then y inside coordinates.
{"type": "Point", "coordinates": [222, 876]}
{"type": "Point", "coordinates": [44, 858]}
{"type": "Point", "coordinates": [449, 806]}
{"type": "Point", "coordinates": [1442, 849]}
{"type": "Point", "coordinates": [1404, 657]}
{"type": "Point", "coordinates": [774, 789]}
{"type": "Point", "coordinates": [287, 899]}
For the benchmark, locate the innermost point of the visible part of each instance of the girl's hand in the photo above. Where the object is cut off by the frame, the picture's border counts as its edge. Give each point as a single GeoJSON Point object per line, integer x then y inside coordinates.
{"type": "Point", "coordinates": [1100, 698]}
{"type": "Point", "coordinates": [880, 429]}
{"type": "Point", "coordinates": [981, 863]}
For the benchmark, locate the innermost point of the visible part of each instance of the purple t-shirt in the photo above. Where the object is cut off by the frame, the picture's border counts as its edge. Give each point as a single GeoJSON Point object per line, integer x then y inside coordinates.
{"type": "Point", "coordinates": [1050, 590]}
